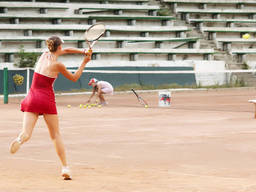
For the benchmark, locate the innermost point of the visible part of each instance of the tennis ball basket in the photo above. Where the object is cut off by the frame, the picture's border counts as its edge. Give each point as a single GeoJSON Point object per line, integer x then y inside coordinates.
{"type": "Point", "coordinates": [164, 99]}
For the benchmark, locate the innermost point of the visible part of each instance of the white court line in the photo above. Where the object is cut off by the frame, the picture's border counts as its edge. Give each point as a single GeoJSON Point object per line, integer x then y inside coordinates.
{"type": "Point", "coordinates": [45, 160]}
{"type": "Point", "coordinates": [116, 92]}
{"type": "Point", "coordinates": [14, 121]}
{"type": "Point", "coordinates": [242, 132]}
{"type": "Point", "coordinates": [9, 131]}
{"type": "Point", "coordinates": [139, 91]}
{"type": "Point", "coordinates": [170, 172]}
{"type": "Point", "coordinates": [199, 175]}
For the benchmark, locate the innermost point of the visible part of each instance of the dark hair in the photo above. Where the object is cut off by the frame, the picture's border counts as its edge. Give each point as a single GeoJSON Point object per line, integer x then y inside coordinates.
{"type": "Point", "coordinates": [53, 43]}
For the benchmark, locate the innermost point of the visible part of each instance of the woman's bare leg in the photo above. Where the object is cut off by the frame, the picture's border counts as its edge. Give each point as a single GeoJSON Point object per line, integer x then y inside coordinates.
{"type": "Point", "coordinates": [52, 122]}
{"type": "Point", "coordinates": [29, 122]}
{"type": "Point", "coordinates": [101, 97]}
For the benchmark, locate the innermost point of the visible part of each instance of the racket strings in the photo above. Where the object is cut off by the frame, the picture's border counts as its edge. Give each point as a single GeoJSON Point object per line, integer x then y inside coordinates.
{"type": "Point", "coordinates": [94, 32]}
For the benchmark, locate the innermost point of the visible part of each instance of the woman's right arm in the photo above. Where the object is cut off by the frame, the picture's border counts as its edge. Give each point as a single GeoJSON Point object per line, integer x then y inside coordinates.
{"type": "Point", "coordinates": [74, 76]}
{"type": "Point", "coordinates": [93, 93]}
{"type": "Point", "coordinates": [70, 51]}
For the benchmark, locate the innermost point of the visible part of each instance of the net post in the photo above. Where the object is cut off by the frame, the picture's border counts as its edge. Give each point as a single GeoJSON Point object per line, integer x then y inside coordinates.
{"type": "Point", "coordinates": [5, 85]}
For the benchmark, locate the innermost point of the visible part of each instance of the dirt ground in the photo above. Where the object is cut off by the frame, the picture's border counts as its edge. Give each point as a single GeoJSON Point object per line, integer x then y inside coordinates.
{"type": "Point", "coordinates": [204, 142]}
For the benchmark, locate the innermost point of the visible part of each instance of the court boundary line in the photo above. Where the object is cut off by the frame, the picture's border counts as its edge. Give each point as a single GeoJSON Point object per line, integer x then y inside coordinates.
{"type": "Point", "coordinates": [116, 92]}
{"type": "Point", "coordinates": [86, 164]}
{"type": "Point", "coordinates": [46, 161]}
{"type": "Point", "coordinates": [142, 91]}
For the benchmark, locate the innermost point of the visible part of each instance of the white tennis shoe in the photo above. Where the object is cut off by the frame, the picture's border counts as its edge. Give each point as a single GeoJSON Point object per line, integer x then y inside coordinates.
{"type": "Point", "coordinates": [15, 145]}
{"type": "Point", "coordinates": [66, 173]}
{"type": "Point", "coordinates": [103, 103]}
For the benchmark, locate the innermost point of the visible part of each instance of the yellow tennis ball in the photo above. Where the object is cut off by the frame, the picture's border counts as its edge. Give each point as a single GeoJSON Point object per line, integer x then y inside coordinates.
{"type": "Point", "coordinates": [99, 106]}
{"type": "Point", "coordinates": [68, 106]}
{"type": "Point", "coordinates": [246, 36]}
{"type": "Point", "coordinates": [146, 106]}
{"type": "Point", "coordinates": [85, 106]}
{"type": "Point", "coordinates": [89, 106]}
{"type": "Point", "coordinates": [81, 105]}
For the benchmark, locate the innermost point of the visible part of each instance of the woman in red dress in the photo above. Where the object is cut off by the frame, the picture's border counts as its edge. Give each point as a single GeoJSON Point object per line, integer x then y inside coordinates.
{"type": "Point", "coordinates": [41, 99]}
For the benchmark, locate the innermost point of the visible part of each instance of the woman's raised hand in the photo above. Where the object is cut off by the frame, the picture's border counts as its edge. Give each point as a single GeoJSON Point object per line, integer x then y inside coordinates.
{"type": "Point", "coordinates": [88, 54]}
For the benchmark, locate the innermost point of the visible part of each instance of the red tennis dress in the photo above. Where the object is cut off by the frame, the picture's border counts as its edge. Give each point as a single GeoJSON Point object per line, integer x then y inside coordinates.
{"type": "Point", "coordinates": [41, 98]}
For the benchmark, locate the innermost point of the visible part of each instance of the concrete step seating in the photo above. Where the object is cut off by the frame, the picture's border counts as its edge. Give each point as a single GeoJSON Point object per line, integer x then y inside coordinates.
{"type": "Point", "coordinates": [243, 51]}
{"type": "Point", "coordinates": [91, 19]}
{"type": "Point", "coordinates": [222, 20]}
{"type": "Point", "coordinates": [212, 31]}
{"type": "Point", "coordinates": [132, 54]}
{"type": "Point", "coordinates": [226, 43]}
{"type": "Point", "coordinates": [127, 51]}
{"type": "Point", "coordinates": [131, 19]}
{"type": "Point", "coordinates": [32, 5]}
{"type": "Point", "coordinates": [138, 2]}
{"type": "Point", "coordinates": [75, 27]}
{"type": "Point", "coordinates": [141, 63]}
{"type": "Point", "coordinates": [199, 23]}
{"type": "Point", "coordinates": [40, 16]}
{"type": "Point", "coordinates": [128, 39]}
{"type": "Point", "coordinates": [136, 17]}
{"type": "Point", "coordinates": [216, 11]}
{"type": "Point", "coordinates": [211, 2]}
{"type": "Point", "coordinates": [120, 42]}
{"type": "Point", "coordinates": [48, 16]}
{"type": "Point", "coordinates": [99, 1]}
{"type": "Point", "coordinates": [118, 9]}
{"type": "Point", "coordinates": [106, 11]}
{"type": "Point", "coordinates": [241, 54]}
{"type": "Point", "coordinates": [205, 52]}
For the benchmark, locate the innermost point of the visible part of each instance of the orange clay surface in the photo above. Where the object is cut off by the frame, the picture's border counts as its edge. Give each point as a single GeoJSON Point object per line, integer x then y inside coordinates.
{"type": "Point", "coordinates": [204, 142]}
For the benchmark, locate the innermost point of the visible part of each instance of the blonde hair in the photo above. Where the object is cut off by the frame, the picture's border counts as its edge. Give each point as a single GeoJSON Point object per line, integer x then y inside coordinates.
{"type": "Point", "coordinates": [53, 43]}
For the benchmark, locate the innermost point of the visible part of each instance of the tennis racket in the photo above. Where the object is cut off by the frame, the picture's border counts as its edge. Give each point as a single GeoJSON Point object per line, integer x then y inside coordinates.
{"type": "Point", "coordinates": [140, 99]}
{"type": "Point", "coordinates": [93, 33]}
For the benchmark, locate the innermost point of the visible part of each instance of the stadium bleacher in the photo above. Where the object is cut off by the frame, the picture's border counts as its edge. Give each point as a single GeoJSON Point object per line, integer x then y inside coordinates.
{"type": "Point", "coordinates": [222, 22]}
{"type": "Point", "coordinates": [193, 30]}
{"type": "Point", "coordinates": [146, 30]}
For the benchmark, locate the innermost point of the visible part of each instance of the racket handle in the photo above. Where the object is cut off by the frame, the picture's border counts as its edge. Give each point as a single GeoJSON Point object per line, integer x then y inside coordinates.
{"type": "Point", "coordinates": [87, 51]}
{"type": "Point", "coordinates": [92, 44]}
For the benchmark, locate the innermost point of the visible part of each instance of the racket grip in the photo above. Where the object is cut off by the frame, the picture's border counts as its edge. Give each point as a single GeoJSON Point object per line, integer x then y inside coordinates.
{"type": "Point", "coordinates": [87, 51]}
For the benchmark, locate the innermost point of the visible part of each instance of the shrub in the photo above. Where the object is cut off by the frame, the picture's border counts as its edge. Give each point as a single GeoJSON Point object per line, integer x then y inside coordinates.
{"type": "Point", "coordinates": [26, 59]}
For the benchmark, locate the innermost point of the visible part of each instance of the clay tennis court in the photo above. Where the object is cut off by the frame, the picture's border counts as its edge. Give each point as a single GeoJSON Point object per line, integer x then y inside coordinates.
{"type": "Point", "coordinates": [205, 142]}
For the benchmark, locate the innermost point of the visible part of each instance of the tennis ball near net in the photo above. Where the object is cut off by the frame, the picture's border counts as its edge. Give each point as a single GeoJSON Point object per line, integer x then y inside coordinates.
{"type": "Point", "coordinates": [68, 106]}
{"type": "Point", "coordinates": [246, 36]}
{"type": "Point", "coordinates": [146, 106]}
